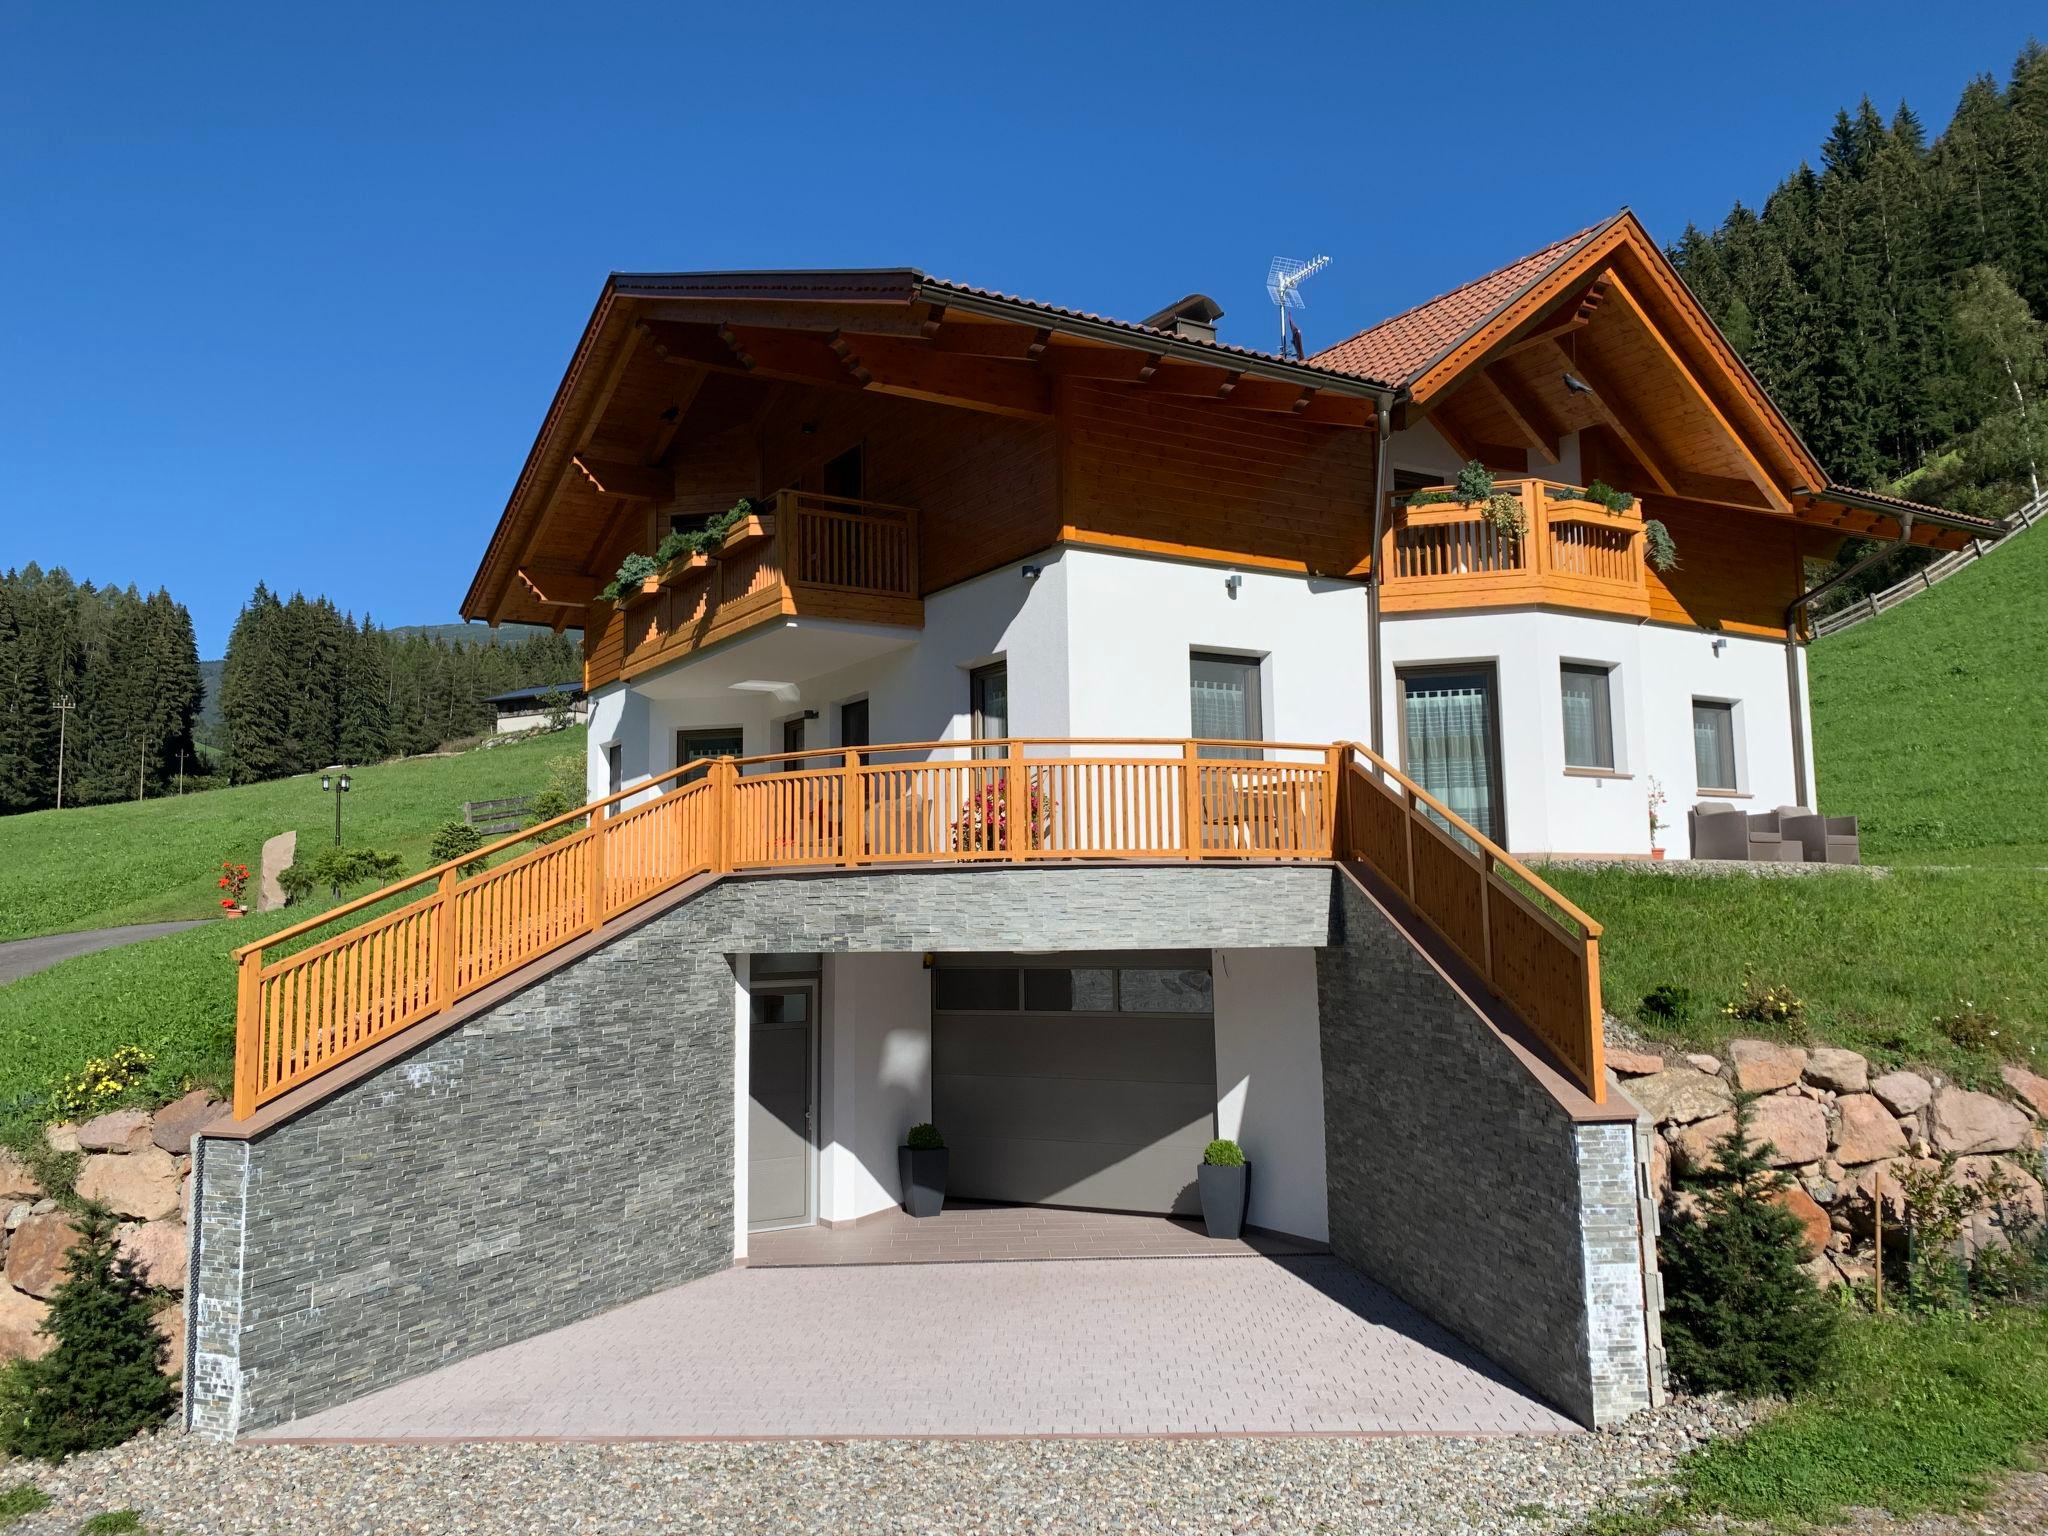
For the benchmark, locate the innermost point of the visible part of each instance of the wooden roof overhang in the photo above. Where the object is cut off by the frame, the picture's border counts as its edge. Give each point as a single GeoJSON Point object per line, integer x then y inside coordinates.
{"type": "Point", "coordinates": [668, 360]}
{"type": "Point", "coordinates": [1648, 368]}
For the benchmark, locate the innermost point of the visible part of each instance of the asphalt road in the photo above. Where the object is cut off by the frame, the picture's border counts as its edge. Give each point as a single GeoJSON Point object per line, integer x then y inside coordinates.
{"type": "Point", "coordinates": [24, 957]}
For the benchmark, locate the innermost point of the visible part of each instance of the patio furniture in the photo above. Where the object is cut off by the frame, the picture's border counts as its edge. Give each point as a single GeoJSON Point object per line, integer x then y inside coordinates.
{"type": "Point", "coordinates": [1718, 831]}
{"type": "Point", "coordinates": [1821, 839]}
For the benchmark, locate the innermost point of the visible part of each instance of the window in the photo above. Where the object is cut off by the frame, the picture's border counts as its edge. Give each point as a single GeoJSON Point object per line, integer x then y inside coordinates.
{"type": "Point", "coordinates": [853, 723]}
{"type": "Point", "coordinates": [988, 690]}
{"type": "Point", "coordinates": [1713, 744]}
{"type": "Point", "coordinates": [1588, 716]}
{"type": "Point", "coordinates": [1450, 741]}
{"type": "Point", "coordinates": [716, 741]}
{"type": "Point", "coordinates": [614, 769]}
{"type": "Point", "coordinates": [847, 475]}
{"type": "Point", "coordinates": [793, 741]}
{"type": "Point", "coordinates": [1223, 702]}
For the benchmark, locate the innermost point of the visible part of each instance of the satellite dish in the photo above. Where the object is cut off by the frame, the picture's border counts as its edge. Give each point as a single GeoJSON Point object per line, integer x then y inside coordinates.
{"type": "Point", "coordinates": [1283, 286]}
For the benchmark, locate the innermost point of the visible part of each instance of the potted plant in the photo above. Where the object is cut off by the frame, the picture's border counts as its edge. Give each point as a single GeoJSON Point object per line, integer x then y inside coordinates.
{"type": "Point", "coordinates": [921, 1165]}
{"type": "Point", "coordinates": [234, 878]}
{"type": "Point", "coordinates": [1225, 1180]}
{"type": "Point", "coordinates": [1657, 823]}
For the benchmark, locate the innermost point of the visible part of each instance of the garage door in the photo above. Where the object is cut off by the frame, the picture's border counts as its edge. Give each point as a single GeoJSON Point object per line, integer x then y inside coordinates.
{"type": "Point", "coordinates": [1075, 1082]}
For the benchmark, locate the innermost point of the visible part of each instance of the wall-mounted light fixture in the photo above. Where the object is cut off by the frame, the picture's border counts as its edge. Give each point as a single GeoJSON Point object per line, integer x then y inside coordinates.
{"type": "Point", "coordinates": [1031, 572]}
{"type": "Point", "coordinates": [1232, 583]}
{"type": "Point", "coordinates": [809, 429]}
{"type": "Point", "coordinates": [1720, 644]}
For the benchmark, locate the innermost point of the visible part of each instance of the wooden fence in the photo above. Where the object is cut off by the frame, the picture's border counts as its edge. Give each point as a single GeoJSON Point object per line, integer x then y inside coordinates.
{"type": "Point", "coordinates": [305, 1003]}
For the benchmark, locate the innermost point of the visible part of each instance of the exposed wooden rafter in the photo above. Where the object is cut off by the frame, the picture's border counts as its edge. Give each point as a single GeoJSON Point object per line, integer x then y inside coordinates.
{"type": "Point", "coordinates": [1574, 314]}
{"type": "Point", "coordinates": [635, 482]}
{"type": "Point", "coordinates": [843, 349]}
{"type": "Point", "coordinates": [558, 586]}
{"type": "Point", "coordinates": [1622, 421]}
{"type": "Point", "coordinates": [1519, 411]}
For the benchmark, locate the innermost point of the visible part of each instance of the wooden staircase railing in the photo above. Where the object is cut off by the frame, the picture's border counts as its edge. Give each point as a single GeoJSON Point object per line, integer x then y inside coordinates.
{"type": "Point", "coordinates": [305, 1003]}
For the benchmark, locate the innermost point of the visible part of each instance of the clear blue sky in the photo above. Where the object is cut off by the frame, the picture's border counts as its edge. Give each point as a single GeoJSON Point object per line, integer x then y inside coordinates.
{"type": "Point", "coordinates": [284, 289]}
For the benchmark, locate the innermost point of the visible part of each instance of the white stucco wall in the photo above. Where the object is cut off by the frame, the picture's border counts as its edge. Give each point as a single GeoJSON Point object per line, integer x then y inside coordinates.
{"type": "Point", "coordinates": [875, 1077]}
{"type": "Point", "coordinates": [742, 1056]}
{"type": "Point", "coordinates": [1269, 1083]}
{"type": "Point", "coordinates": [1659, 670]}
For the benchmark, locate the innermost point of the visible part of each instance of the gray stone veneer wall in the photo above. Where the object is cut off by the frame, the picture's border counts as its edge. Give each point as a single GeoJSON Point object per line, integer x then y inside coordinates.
{"type": "Point", "coordinates": [1460, 1183]}
{"type": "Point", "coordinates": [493, 1184]}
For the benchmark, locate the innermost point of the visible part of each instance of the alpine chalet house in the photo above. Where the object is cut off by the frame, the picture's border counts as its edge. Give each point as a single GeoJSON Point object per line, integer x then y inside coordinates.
{"type": "Point", "coordinates": [1085, 735]}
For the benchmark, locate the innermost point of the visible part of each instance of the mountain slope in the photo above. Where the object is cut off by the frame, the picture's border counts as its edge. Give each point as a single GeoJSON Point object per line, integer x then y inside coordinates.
{"type": "Point", "coordinates": [1930, 721]}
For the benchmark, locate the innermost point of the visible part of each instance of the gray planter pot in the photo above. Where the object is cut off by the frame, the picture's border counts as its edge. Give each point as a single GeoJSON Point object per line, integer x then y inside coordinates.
{"type": "Point", "coordinates": [923, 1175]}
{"type": "Point", "coordinates": [1224, 1193]}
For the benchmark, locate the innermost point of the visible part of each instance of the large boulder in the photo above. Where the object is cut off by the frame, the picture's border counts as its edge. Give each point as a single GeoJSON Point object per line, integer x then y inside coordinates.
{"type": "Point", "coordinates": [2019, 1207]}
{"type": "Point", "coordinates": [143, 1184]}
{"type": "Point", "coordinates": [2030, 1086]}
{"type": "Point", "coordinates": [158, 1249]}
{"type": "Point", "coordinates": [16, 1182]}
{"type": "Point", "coordinates": [1633, 1063]}
{"type": "Point", "coordinates": [1839, 1070]}
{"type": "Point", "coordinates": [1964, 1122]}
{"type": "Point", "coordinates": [1865, 1131]}
{"type": "Point", "coordinates": [177, 1121]}
{"type": "Point", "coordinates": [1693, 1146]}
{"type": "Point", "coordinates": [20, 1316]}
{"type": "Point", "coordinates": [1680, 1096]}
{"type": "Point", "coordinates": [1764, 1066]}
{"type": "Point", "coordinates": [37, 1251]}
{"type": "Point", "coordinates": [1813, 1221]}
{"type": "Point", "coordinates": [1796, 1128]}
{"type": "Point", "coordinates": [122, 1130]}
{"type": "Point", "coordinates": [1903, 1093]}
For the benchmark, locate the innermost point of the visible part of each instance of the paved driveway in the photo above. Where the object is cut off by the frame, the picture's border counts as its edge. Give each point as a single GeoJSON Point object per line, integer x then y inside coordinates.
{"type": "Point", "coordinates": [24, 957]}
{"type": "Point", "coordinates": [1087, 1347]}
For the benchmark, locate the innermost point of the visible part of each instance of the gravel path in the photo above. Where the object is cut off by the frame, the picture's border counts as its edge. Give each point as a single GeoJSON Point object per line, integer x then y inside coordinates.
{"type": "Point", "coordinates": [1395, 1486]}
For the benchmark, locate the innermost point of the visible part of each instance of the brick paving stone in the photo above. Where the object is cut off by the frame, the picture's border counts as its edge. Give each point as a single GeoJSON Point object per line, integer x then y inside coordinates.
{"type": "Point", "coordinates": [1030, 1347]}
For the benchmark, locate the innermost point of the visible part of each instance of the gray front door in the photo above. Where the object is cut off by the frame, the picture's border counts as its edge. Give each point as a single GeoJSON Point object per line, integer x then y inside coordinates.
{"type": "Point", "coordinates": [779, 1106]}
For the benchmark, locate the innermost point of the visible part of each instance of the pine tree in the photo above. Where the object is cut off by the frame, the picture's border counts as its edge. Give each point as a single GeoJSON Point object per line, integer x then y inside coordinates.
{"type": "Point", "coordinates": [365, 716]}
{"type": "Point", "coordinates": [1740, 1314]}
{"type": "Point", "coordinates": [104, 1381]}
{"type": "Point", "coordinates": [24, 769]}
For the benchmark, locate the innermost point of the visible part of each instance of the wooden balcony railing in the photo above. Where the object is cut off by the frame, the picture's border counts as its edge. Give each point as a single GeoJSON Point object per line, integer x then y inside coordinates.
{"type": "Point", "coordinates": [799, 554]}
{"type": "Point", "coordinates": [1572, 553]}
{"type": "Point", "coordinates": [317, 993]}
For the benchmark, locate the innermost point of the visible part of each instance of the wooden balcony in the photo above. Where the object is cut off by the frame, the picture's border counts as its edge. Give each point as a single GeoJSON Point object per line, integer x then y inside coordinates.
{"type": "Point", "coordinates": [803, 556]}
{"type": "Point", "coordinates": [320, 992]}
{"type": "Point", "coordinates": [1573, 553]}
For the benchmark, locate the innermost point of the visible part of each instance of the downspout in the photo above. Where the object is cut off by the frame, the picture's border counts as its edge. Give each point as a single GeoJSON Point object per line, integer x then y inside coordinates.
{"type": "Point", "coordinates": [1375, 575]}
{"type": "Point", "coordinates": [1795, 617]}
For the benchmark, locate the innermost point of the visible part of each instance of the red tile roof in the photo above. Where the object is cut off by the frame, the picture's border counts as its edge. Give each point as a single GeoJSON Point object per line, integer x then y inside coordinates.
{"type": "Point", "coordinates": [1400, 350]}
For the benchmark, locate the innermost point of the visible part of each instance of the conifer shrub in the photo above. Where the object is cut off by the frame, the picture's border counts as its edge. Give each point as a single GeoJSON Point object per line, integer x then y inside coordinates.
{"type": "Point", "coordinates": [1740, 1314]}
{"type": "Point", "coordinates": [452, 839]}
{"type": "Point", "coordinates": [104, 1381]}
{"type": "Point", "coordinates": [924, 1137]}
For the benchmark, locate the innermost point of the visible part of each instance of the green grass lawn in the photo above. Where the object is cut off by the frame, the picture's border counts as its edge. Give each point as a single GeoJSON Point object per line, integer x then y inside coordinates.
{"type": "Point", "coordinates": [96, 866]}
{"type": "Point", "coordinates": [1916, 1415]}
{"type": "Point", "coordinates": [1874, 959]}
{"type": "Point", "coordinates": [1929, 721]}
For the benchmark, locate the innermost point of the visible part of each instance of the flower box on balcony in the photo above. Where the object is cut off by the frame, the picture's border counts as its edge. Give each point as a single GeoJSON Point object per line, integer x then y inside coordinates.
{"type": "Point", "coordinates": [754, 528]}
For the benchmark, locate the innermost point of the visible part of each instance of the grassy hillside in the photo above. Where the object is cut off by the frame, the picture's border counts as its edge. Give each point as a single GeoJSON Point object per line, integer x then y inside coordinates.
{"type": "Point", "coordinates": [1929, 722]}
{"type": "Point", "coordinates": [100, 865]}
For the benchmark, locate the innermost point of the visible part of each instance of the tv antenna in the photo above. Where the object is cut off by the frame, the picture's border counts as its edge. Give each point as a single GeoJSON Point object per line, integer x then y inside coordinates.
{"type": "Point", "coordinates": [1283, 286]}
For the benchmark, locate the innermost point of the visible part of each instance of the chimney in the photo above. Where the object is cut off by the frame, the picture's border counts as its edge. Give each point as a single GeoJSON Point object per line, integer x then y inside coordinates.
{"type": "Point", "coordinates": [1194, 317]}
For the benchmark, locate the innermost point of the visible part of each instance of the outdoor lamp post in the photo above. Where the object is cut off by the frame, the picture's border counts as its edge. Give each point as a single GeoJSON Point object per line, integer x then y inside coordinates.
{"type": "Point", "coordinates": [337, 784]}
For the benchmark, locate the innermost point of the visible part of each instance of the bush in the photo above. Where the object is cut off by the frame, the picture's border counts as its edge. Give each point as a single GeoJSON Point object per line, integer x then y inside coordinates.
{"type": "Point", "coordinates": [452, 839]}
{"type": "Point", "coordinates": [1659, 548]}
{"type": "Point", "coordinates": [104, 1381]}
{"type": "Point", "coordinates": [1740, 1314]}
{"type": "Point", "coordinates": [547, 805]}
{"type": "Point", "coordinates": [925, 1138]}
{"type": "Point", "coordinates": [1600, 493]}
{"type": "Point", "coordinates": [1665, 1004]}
{"type": "Point", "coordinates": [1774, 1009]}
{"type": "Point", "coordinates": [338, 869]}
{"type": "Point", "coordinates": [1223, 1154]}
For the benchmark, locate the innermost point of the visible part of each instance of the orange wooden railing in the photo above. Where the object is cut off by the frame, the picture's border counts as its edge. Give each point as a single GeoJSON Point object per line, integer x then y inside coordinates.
{"type": "Point", "coordinates": [305, 1004]}
{"type": "Point", "coordinates": [1539, 952]}
{"type": "Point", "coordinates": [1572, 552]}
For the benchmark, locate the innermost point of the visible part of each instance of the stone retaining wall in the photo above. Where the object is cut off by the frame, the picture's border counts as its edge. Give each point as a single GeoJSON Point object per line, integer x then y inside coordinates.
{"type": "Point", "coordinates": [1460, 1183]}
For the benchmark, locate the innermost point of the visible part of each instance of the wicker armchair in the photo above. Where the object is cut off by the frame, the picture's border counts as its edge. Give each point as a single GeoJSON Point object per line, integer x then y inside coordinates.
{"type": "Point", "coordinates": [1821, 839]}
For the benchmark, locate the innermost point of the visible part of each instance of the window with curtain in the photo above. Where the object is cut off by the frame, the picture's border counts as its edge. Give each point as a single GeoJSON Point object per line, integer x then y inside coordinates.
{"type": "Point", "coordinates": [1713, 744]}
{"type": "Point", "coordinates": [1223, 702]}
{"type": "Point", "coordinates": [1451, 745]}
{"type": "Point", "coordinates": [1588, 716]}
{"type": "Point", "coordinates": [988, 691]}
